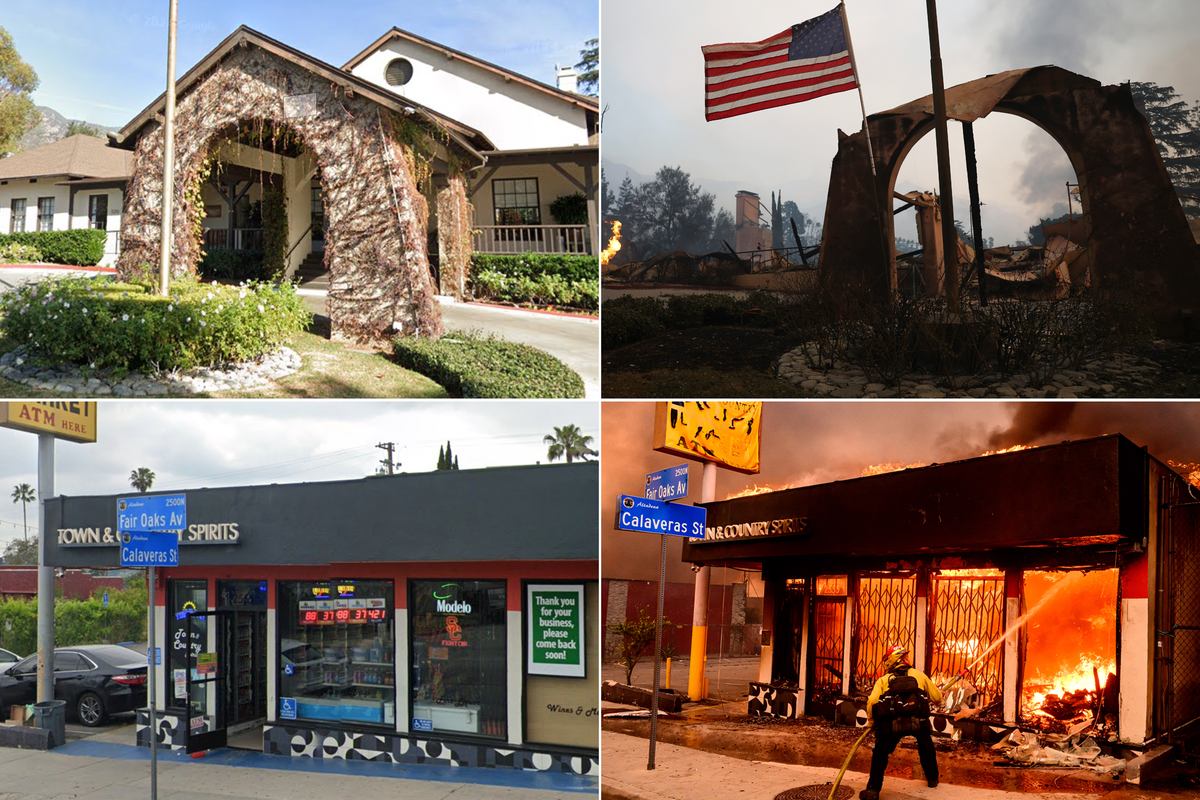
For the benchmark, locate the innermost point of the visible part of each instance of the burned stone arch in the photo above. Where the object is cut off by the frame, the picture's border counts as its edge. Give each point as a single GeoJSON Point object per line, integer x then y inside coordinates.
{"type": "Point", "coordinates": [375, 153]}
{"type": "Point", "coordinates": [1136, 228]}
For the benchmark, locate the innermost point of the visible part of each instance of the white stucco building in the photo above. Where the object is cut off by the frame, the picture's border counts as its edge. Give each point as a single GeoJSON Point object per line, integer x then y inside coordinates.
{"type": "Point", "coordinates": [74, 183]}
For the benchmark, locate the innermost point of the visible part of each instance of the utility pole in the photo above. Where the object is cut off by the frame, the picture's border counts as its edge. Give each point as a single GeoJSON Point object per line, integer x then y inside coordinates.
{"type": "Point", "coordinates": [387, 462]}
{"type": "Point", "coordinates": [949, 233]}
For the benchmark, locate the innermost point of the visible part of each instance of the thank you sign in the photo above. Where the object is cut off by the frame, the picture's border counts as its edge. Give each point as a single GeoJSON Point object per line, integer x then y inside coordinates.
{"type": "Point", "coordinates": [556, 630]}
{"type": "Point", "coordinates": [150, 513]}
{"type": "Point", "coordinates": [651, 516]}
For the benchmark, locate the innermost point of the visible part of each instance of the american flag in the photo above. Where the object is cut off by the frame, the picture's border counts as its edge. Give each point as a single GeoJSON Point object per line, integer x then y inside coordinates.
{"type": "Point", "coordinates": [806, 61]}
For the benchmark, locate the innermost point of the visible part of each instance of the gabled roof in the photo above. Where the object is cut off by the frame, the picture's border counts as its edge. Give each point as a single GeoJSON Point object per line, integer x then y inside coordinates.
{"type": "Point", "coordinates": [465, 137]}
{"type": "Point", "coordinates": [76, 156]}
{"type": "Point", "coordinates": [581, 100]}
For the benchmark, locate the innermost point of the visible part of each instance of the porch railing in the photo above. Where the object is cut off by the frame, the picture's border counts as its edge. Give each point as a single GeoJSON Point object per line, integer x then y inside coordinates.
{"type": "Point", "coordinates": [243, 238]}
{"type": "Point", "coordinates": [502, 239]}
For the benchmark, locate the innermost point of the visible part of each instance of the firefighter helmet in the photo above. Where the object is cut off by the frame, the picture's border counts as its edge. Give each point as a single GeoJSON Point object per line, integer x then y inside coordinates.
{"type": "Point", "coordinates": [895, 656]}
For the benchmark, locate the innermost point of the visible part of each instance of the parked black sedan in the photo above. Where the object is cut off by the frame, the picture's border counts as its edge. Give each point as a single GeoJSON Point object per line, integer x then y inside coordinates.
{"type": "Point", "coordinates": [94, 680]}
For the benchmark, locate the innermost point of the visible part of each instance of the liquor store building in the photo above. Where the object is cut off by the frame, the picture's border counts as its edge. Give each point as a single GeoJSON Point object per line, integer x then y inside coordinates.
{"type": "Point", "coordinates": [446, 618]}
{"type": "Point", "coordinates": [1065, 581]}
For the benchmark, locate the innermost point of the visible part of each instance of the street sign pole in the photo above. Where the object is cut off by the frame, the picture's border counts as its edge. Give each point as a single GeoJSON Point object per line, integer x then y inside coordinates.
{"type": "Point", "coordinates": [150, 668]}
{"type": "Point", "coordinates": [45, 573]}
{"type": "Point", "coordinates": [662, 583]}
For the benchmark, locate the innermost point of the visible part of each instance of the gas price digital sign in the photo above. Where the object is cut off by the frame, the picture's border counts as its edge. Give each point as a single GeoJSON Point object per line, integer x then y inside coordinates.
{"type": "Point", "coordinates": [356, 611]}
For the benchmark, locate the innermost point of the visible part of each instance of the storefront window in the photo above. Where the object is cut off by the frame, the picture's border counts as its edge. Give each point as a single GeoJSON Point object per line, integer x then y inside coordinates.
{"type": "Point", "coordinates": [337, 651]}
{"type": "Point", "coordinates": [459, 659]}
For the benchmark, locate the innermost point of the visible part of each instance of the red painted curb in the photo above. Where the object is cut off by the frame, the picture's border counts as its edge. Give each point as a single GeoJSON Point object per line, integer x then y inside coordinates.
{"type": "Point", "coordinates": [533, 310]}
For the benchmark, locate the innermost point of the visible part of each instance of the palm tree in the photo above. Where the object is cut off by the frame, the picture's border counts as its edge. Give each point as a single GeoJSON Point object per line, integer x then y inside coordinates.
{"type": "Point", "coordinates": [23, 494]}
{"type": "Point", "coordinates": [569, 442]}
{"type": "Point", "coordinates": [141, 479]}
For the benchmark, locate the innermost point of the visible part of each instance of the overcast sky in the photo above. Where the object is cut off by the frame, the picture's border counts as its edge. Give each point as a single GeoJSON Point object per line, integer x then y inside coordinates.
{"type": "Point", "coordinates": [811, 442]}
{"type": "Point", "coordinates": [653, 90]}
{"type": "Point", "coordinates": [105, 62]}
{"type": "Point", "coordinates": [209, 443]}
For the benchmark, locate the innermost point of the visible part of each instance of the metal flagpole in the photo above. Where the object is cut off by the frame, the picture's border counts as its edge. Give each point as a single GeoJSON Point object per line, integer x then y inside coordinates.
{"type": "Point", "coordinates": [888, 252]}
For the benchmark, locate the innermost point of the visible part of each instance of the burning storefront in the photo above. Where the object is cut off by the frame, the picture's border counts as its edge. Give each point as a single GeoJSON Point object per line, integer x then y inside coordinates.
{"type": "Point", "coordinates": [1063, 582]}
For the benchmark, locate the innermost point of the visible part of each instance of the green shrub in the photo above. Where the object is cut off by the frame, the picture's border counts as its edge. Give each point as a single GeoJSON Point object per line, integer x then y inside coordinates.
{"type": "Point", "coordinates": [81, 248]}
{"type": "Point", "coordinates": [16, 253]}
{"type": "Point", "coordinates": [571, 267]}
{"type": "Point", "coordinates": [474, 366]}
{"type": "Point", "coordinates": [536, 278]}
{"type": "Point", "coordinates": [77, 621]}
{"type": "Point", "coordinates": [570, 209]}
{"type": "Point", "coordinates": [625, 320]}
{"type": "Point", "coordinates": [224, 264]}
{"type": "Point", "coordinates": [104, 324]}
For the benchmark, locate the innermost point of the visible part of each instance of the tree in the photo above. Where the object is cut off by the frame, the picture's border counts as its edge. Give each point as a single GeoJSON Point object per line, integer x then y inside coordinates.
{"type": "Point", "coordinates": [723, 231]}
{"type": "Point", "coordinates": [636, 636]}
{"type": "Point", "coordinates": [608, 201]}
{"type": "Point", "coordinates": [1176, 130]}
{"type": "Point", "coordinates": [84, 129]}
{"type": "Point", "coordinates": [22, 551]}
{"type": "Point", "coordinates": [777, 222]}
{"type": "Point", "coordinates": [17, 81]}
{"type": "Point", "coordinates": [589, 68]}
{"type": "Point", "coordinates": [446, 459]}
{"type": "Point", "coordinates": [1035, 231]}
{"type": "Point", "coordinates": [570, 443]}
{"type": "Point", "coordinates": [23, 494]}
{"type": "Point", "coordinates": [141, 479]}
{"type": "Point", "coordinates": [668, 213]}
{"type": "Point", "coordinates": [790, 211]}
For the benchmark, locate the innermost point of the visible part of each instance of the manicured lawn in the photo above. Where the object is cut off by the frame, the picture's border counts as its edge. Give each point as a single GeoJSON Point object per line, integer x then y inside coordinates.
{"type": "Point", "coordinates": [330, 369]}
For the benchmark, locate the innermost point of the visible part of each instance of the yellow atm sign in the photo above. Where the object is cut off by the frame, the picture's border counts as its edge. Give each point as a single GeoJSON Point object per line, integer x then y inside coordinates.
{"type": "Point", "coordinates": [74, 420]}
{"type": "Point", "coordinates": [728, 433]}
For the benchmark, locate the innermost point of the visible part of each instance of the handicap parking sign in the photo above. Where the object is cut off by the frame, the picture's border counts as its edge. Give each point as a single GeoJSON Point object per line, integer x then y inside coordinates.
{"type": "Point", "coordinates": [287, 708]}
{"type": "Point", "coordinates": [289, 669]}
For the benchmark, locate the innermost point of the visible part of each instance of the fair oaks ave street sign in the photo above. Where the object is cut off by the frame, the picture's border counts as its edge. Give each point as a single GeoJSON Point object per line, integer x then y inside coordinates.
{"type": "Point", "coordinates": [149, 513]}
{"type": "Point", "coordinates": [667, 484]}
{"type": "Point", "coordinates": [651, 516]}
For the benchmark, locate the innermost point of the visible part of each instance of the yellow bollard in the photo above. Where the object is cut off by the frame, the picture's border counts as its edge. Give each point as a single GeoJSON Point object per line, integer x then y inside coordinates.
{"type": "Point", "coordinates": [696, 669]}
{"type": "Point", "coordinates": [667, 679]}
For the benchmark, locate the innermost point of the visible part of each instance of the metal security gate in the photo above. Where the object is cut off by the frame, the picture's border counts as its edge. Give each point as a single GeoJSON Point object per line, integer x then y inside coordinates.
{"type": "Point", "coordinates": [967, 615]}
{"type": "Point", "coordinates": [1178, 627]}
{"type": "Point", "coordinates": [829, 626]}
{"type": "Point", "coordinates": [885, 614]}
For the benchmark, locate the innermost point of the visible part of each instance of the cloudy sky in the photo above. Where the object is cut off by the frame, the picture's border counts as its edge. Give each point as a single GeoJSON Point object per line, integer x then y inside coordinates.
{"type": "Point", "coordinates": [653, 90]}
{"type": "Point", "coordinates": [811, 442]}
{"type": "Point", "coordinates": [209, 443]}
{"type": "Point", "coordinates": [105, 63]}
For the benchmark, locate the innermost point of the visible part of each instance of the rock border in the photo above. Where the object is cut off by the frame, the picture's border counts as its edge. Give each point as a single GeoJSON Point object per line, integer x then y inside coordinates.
{"type": "Point", "coordinates": [1102, 378]}
{"type": "Point", "coordinates": [21, 366]}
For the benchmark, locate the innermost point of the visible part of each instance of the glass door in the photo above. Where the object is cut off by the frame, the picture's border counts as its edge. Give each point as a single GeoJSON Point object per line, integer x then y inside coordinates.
{"type": "Point", "coordinates": [206, 684]}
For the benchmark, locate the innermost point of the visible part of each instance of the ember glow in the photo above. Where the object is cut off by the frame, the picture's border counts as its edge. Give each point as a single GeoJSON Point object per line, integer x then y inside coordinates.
{"type": "Point", "coordinates": [614, 244]}
{"type": "Point", "coordinates": [897, 466]}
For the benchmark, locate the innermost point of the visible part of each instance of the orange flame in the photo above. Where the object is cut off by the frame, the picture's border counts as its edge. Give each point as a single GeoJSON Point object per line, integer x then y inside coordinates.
{"type": "Point", "coordinates": [756, 489]}
{"type": "Point", "coordinates": [614, 244]}
{"type": "Point", "coordinates": [896, 466]}
{"type": "Point", "coordinates": [1189, 470]}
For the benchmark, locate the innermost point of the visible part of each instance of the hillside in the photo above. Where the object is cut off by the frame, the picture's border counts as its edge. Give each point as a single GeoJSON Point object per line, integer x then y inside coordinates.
{"type": "Point", "coordinates": [52, 127]}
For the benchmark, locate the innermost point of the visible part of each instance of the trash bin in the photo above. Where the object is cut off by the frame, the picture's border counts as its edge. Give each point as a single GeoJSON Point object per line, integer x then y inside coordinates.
{"type": "Point", "coordinates": [51, 715]}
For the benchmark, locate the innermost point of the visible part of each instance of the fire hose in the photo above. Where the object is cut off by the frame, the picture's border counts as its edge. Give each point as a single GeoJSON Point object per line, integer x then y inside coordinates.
{"type": "Point", "coordinates": [845, 764]}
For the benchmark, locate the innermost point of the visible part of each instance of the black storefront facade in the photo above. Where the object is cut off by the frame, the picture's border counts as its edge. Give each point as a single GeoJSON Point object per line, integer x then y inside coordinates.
{"type": "Point", "coordinates": [946, 559]}
{"type": "Point", "coordinates": [447, 618]}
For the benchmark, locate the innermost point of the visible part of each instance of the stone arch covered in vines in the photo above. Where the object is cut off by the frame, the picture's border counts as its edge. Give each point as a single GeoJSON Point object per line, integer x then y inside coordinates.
{"type": "Point", "coordinates": [369, 158]}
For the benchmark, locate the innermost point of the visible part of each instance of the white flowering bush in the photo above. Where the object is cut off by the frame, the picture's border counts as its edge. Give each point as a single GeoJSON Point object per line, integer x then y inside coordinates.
{"type": "Point", "coordinates": [105, 324]}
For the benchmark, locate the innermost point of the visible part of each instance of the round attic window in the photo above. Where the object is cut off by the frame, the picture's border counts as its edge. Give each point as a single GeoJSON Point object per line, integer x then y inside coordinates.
{"type": "Point", "coordinates": [399, 72]}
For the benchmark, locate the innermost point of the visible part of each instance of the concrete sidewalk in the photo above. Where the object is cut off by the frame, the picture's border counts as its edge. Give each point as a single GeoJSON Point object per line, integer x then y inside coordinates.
{"type": "Point", "coordinates": [685, 774]}
{"type": "Point", "coordinates": [102, 770]}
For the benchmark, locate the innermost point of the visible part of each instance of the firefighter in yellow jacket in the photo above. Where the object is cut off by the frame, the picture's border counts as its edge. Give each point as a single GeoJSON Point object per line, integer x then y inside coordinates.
{"type": "Point", "coordinates": [899, 707]}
